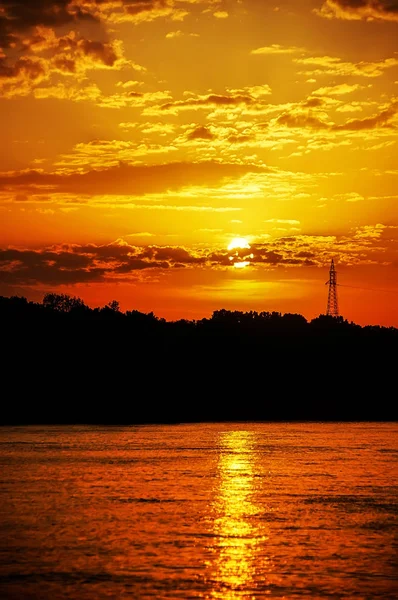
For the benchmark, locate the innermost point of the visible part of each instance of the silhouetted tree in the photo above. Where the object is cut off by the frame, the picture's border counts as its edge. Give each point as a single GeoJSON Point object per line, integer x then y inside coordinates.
{"type": "Point", "coordinates": [63, 303]}
{"type": "Point", "coordinates": [114, 305]}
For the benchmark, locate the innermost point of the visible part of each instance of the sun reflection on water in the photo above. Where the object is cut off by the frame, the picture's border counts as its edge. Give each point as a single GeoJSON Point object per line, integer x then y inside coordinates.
{"type": "Point", "coordinates": [236, 532]}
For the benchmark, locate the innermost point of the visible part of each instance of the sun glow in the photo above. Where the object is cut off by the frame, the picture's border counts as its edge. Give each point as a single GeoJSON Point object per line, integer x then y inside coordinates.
{"type": "Point", "coordinates": [238, 242]}
{"type": "Point", "coordinates": [239, 259]}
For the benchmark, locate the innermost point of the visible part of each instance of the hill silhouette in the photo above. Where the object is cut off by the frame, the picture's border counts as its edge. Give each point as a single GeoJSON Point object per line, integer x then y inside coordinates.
{"type": "Point", "coordinates": [64, 362]}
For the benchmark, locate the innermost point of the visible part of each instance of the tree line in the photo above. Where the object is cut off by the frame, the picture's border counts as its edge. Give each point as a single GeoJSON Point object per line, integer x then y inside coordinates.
{"type": "Point", "coordinates": [65, 307]}
{"type": "Point", "coordinates": [66, 362]}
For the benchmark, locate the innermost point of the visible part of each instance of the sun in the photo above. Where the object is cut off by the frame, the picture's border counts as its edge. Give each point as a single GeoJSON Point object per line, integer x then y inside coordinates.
{"type": "Point", "coordinates": [239, 259]}
{"type": "Point", "coordinates": [238, 242]}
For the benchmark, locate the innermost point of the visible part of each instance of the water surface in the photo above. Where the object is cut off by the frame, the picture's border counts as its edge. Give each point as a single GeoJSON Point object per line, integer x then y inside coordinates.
{"type": "Point", "coordinates": [223, 511]}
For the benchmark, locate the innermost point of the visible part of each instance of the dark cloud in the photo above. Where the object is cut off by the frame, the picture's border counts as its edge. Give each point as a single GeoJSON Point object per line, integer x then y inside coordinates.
{"type": "Point", "coordinates": [28, 267]}
{"type": "Point", "coordinates": [301, 120]}
{"type": "Point", "coordinates": [309, 120]}
{"type": "Point", "coordinates": [19, 16]}
{"type": "Point", "coordinates": [28, 68]}
{"type": "Point", "coordinates": [211, 100]}
{"type": "Point", "coordinates": [28, 27]}
{"type": "Point", "coordinates": [135, 95]}
{"type": "Point", "coordinates": [100, 52]}
{"type": "Point", "coordinates": [279, 256]}
{"type": "Point", "coordinates": [304, 254]}
{"type": "Point", "coordinates": [68, 48]}
{"type": "Point", "coordinates": [129, 179]}
{"type": "Point", "coordinates": [67, 65]}
{"type": "Point", "coordinates": [50, 275]}
{"type": "Point", "coordinates": [200, 133]}
{"type": "Point", "coordinates": [386, 10]}
{"type": "Point", "coordinates": [63, 260]}
{"type": "Point", "coordinates": [271, 255]}
{"type": "Point", "coordinates": [173, 254]}
{"type": "Point", "coordinates": [380, 120]}
{"type": "Point", "coordinates": [120, 260]}
{"type": "Point", "coordinates": [240, 139]}
{"type": "Point", "coordinates": [134, 7]}
{"type": "Point", "coordinates": [79, 264]}
{"type": "Point", "coordinates": [314, 102]}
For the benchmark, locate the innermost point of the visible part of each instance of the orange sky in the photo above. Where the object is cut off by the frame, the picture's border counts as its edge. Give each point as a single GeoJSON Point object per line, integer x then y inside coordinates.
{"type": "Point", "coordinates": [140, 137]}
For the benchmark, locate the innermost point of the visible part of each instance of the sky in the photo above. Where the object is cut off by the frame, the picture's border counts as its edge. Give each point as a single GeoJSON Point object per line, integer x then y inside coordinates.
{"type": "Point", "coordinates": [183, 156]}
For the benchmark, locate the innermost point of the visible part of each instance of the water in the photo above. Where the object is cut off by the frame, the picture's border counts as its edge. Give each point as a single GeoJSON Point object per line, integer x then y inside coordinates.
{"type": "Point", "coordinates": [225, 511]}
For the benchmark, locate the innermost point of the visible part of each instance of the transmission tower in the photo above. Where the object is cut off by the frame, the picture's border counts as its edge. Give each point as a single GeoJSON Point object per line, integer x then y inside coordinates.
{"type": "Point", "coordinates": [333, 307]}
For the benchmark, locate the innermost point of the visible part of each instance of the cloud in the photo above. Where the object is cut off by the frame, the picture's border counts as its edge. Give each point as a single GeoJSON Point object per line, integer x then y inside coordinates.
{"type": "Point", "coordinates": [221, 14]}
{"type": "Point", "coordinates": [71, 264]}
{"type": "Point", "coordinates": [18, 17]}
{"type": "Point", "coordinates": [297, 118]}
{"type": "Point", "coordinates": [77, 265]}
{"type": "Point", "coordinates": [313, 102]}
{"type": "Point", "coordinates": [350, 197]}
{"type": "Point", "coordinates": [382, 119]}
{"type": "Point", "coordinates": [301, 120]}
{"type": "Point", "coordinates": [161, 129]}
{"type": "Point", "coordinates": [207, 101]}
{"type": "Point", "coordinates": [283, 221]}
{"type": "Point", "coordinates": [277, 49]}
{"type": "Point", "coordinates": [71, 47]}
{"type": "Point", "coordinates": [29, 267]}
{"type": "Point", "coordinates": [232, 98]}
{"type": "Point", "coordinates": [25, 74]}
{"type": "Point", "coordinates": [369, 232]}
{"type": "Point", "coordinates": [133, 99]}
{"type": "Point", "coordinates": [200, 133]}
{"type": "Point", "coordinates": [87, 93]}
{"type": "Point", "coordinates": [172, 254]}
{"type": "Point", "coordinates": [258, 92]}
{"type": "Point", "coordinates": [141, 11]}
{"type": "Point", "coordinates": [369, 10]}
{"type": "Point", "coordinates": [121, 261]}
{"type": "Point", "coordinates": [129, 179]}
{"type": "Point", "coordinates": [336, 90]}
{"type": "Point", "coordinates": [178, 34]}
{"type": "Point", "coordinates": [128, 84]}
{"type": "Point", "coordinates": [332, 65]}
{"type": "Point", "coordinates": [65, 55]}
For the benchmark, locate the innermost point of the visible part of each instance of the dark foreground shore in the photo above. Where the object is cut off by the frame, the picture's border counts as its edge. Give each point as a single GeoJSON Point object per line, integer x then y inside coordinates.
{"type": "Point", "coordinates": [111, 367]}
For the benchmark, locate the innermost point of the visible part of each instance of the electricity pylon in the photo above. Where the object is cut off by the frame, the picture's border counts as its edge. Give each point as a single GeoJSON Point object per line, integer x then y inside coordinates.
{"type": "Point", "coordinates": [333, 307]}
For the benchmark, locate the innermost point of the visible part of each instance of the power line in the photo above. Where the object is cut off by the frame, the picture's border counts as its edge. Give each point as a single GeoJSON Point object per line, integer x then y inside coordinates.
{"type": "Point", "coordinates": [368, 289]}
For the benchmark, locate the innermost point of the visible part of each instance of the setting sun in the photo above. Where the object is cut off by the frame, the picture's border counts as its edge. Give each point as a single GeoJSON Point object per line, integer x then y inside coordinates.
{"type": "Point", "coordinates": [238, 242]}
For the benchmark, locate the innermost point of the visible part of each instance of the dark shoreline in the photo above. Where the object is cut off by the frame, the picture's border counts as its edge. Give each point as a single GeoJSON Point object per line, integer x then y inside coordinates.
{"type": "Point", "coordinates": [103, 366]}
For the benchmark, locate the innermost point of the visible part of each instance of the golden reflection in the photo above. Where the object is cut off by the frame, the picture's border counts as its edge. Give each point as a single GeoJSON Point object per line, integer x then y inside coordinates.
{"type": "Point", "coordinates": [236, 533]}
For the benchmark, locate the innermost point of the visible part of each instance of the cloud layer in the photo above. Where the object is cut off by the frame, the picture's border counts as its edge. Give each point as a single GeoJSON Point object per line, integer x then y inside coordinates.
{"type": "Point", "coordinates": [123, 262]}
{"type": "Point", "coordinates": [384, 10]}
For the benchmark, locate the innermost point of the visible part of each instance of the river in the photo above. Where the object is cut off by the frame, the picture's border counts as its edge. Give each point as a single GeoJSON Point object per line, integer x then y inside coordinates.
{"type": "Point", "coordinates": [218, 511]}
